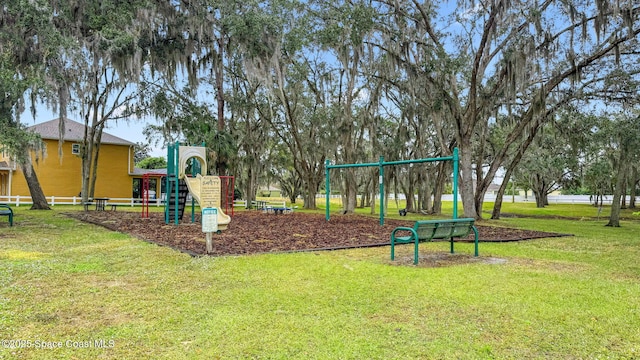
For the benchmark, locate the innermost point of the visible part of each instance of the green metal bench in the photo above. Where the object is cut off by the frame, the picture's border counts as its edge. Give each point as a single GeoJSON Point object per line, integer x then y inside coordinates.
{"type": "Point", "coordinates": [428, 230]}
{"type": "Point", "coordinates": [5, 210]}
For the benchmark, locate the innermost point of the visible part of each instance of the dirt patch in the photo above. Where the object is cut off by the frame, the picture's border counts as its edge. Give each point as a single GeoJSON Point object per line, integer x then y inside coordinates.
{"type": "Point", "coordinates": [253, 232]}
{"type": "Point", "coordinates": [445, 259]}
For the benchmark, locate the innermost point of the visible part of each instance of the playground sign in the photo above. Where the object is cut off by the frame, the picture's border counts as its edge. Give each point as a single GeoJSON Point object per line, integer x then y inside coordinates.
{"type": "Point", "coordinates": [209, 220]}
{"type": "Point", "coordinates": [209, 226]}
{"type": "Point", "coordinates": [210, 192]}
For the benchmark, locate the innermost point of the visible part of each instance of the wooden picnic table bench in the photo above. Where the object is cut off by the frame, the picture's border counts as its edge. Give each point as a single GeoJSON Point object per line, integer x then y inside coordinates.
{"type": "Point", "coordinates": [5, 210]}
{"type": "Point", "coordinates": [428, 230]}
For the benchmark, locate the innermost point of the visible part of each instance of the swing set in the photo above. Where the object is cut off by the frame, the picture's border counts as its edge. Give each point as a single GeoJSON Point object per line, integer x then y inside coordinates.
{"type": "Point", "coordinates": [381, 164]}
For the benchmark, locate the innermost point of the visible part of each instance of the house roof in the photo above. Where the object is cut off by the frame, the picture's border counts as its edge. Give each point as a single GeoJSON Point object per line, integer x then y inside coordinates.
{"type": "Point", "coordinates": [73, 131]}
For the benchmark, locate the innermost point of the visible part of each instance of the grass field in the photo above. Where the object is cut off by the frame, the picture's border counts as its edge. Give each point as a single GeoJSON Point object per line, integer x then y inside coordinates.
{"type": "Point", "coordinates": [75, 291]}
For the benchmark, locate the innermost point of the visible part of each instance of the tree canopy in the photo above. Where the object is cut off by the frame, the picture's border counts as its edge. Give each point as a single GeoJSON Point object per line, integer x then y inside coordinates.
{"type": "Point", "coordinates": [290, 84]}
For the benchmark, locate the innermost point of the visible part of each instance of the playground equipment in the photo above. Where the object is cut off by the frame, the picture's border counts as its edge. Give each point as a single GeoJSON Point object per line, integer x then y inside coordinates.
{"type": "Point", "coordinates": [146, 191]}
{"type": "Point", "coordinates": [381, 164]}
{"type": "Point", "coordinates": [204, 189]}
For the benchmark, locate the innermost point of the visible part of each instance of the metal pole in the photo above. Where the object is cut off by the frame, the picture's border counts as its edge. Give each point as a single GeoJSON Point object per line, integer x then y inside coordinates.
{"type": "Point", "coordinates": [380, 164]}
{"type": "Point", "coordinates": [167, 205]}
{"type": "Point", "coordinates": [327, 188]}
{"type": "Point", "coordinates": [455, 183]}
{"type": "Point", "coordinates": [176, 171]}
{"type": "Point", "coordinates": [381, 183]}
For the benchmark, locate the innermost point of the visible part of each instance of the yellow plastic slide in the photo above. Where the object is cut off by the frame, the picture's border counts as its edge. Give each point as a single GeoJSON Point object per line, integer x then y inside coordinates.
{"type": "Point", "coordinates": [194, 188]}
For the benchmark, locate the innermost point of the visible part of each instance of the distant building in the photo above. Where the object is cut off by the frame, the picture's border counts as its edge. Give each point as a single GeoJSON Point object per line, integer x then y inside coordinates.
{"type": "Point", "coordinates": [62, 175]}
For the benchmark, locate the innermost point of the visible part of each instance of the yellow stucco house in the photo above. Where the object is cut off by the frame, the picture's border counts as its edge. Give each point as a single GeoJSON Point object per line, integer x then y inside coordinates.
{"type": "Point", "coordinates": [60, 176]}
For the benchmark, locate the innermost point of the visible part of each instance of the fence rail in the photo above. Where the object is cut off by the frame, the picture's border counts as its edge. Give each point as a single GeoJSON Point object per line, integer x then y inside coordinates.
{"type": "Point", "coordinates": [553, 199]}
{"type": "Point", "coordinates": [76, 200]}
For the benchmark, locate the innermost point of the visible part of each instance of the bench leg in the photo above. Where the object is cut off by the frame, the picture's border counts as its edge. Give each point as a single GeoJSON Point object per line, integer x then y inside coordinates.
{"type": "Point", "coordinates": [415, 252]}
{"type": "Point", "coordinates": [393, 255]}
{"type": "Point", "coordinates": [475, 232]}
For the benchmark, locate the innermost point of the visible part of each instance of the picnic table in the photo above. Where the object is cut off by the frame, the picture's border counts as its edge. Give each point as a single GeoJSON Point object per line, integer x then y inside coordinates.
{"type": "Point", "coordinates": [279, 210]}
{"type": "Point", "coordinates": [100, 203]}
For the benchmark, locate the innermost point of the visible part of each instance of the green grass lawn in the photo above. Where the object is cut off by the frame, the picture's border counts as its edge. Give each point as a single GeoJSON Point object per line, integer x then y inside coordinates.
{"type": "Point", "coordinates": [66, 282]}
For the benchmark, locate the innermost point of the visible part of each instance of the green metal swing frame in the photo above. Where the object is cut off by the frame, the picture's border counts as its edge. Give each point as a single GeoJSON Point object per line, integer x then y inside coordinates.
{"type": "Point", "coordinates": [381, 164]}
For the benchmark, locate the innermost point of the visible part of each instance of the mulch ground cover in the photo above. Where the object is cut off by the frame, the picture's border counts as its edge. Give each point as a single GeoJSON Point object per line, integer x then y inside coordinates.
{"type": "Point", "coordinates": [257, 232]}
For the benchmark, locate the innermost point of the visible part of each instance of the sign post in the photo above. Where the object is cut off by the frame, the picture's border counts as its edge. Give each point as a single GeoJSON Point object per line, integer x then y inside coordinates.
{"type": "Point", "coordinates": [209, 225]}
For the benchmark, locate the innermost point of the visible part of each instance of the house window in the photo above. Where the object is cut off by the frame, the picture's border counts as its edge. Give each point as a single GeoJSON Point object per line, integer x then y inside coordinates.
{"type": "Point", "coordinates": [75, 149]}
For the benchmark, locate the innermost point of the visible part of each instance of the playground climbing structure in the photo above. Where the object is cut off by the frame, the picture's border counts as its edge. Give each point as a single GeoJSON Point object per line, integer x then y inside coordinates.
{"type": "Point", "coordinates": [206, 190]}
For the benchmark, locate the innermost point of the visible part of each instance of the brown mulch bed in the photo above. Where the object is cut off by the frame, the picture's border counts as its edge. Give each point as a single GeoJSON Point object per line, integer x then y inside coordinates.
{"type": "Point", "coordinates": [256, 232]}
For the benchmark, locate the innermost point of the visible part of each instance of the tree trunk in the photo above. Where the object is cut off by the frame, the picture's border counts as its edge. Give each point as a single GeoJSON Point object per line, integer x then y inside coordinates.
{"type": "Point", "coordinates": [408, 190]}
{"type": "Point", "coordinates": [424, 192]}
{"type": "Point", "coordinates": [624, 195]}
{"type": "Point", "coordinates": [251, 188]}
{"type": "Point", "coordinates": [311, 187]}
{"type": "Point", "coordinates": [497, 206]}
{"type": "Point", "coordinates": [539, 188]}
{"type": "Point", "coordinates": [632, 191]}
{"type": "Point", "coordinates": [425, 201]}
{"type": "Point", "coordinates": [539, 197]}
{"type": "Point", "coordinates": [221, 160]}
{"type": "Point", "coordinates": [614, 218]}
{"type": "Point", "coordinates": [94, 160]}
{"type": "Point", "coordinates": [438, 190]}
{"type": "Point", "coordinates": [37, 195]}
{"type": "Point", "coordinates": [86, 168]}
{"type": "Point", "coordinates": [351, 190]}
{"type": "Point", "coordinates": [466, 181]}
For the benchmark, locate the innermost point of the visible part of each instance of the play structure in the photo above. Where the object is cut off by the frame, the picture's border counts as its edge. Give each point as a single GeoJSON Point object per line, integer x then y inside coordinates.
{"type": "Point", "coordinates": [381, 164]}
{"type": "Point", "coordinates": [146, 192]}
{"type": "Point", "coordinates": [210, 192]}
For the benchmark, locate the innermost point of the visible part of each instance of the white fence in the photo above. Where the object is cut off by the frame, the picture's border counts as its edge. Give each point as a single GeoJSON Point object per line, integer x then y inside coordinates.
{"type": "Point", "coordinates": [261, 203]}
{"type": "Point", "coordinates": [553, 199]}
{"type": "Point", "coordinates": [76, 200]}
